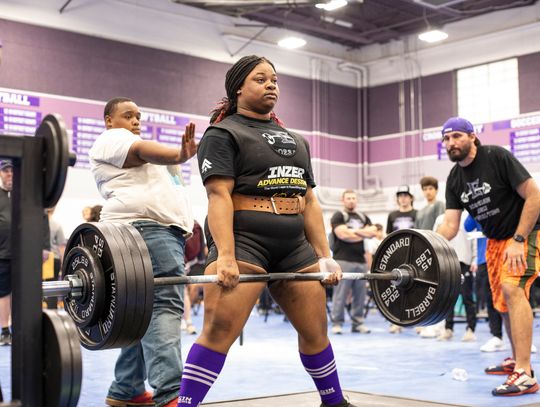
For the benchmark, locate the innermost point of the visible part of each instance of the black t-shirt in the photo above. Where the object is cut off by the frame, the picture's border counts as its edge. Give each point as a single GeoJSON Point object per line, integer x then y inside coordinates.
{"type": "Point", "coordinates": [486, 188]}
{"type": "Point", "coordinates": [263, 158]}
{"type": "Point", "coordinates": [400, 220]}
{"type": "Point", "coordinates": [349, 251]}
{"type": "Point", "coordinates": [5, 225]}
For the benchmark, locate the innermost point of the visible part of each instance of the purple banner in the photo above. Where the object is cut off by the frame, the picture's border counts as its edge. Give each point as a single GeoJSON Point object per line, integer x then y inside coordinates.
{"type": "Point", "coordinates": [18, 99]}
{"type": "Point", "coordinates": [525, 144]}
{"type": "Point", "coordinates": [442, 154]}
{"type": "Point", "coordinates": [162, 118]}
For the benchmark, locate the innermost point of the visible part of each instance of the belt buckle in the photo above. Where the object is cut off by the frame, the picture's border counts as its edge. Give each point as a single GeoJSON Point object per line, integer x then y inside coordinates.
{"type": "Point", "coordinates": [274, 205]}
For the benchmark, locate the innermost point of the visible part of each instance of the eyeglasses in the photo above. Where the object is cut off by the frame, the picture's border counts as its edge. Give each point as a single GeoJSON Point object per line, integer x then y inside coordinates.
{"type": "Point", "coordinates": [454, 136]}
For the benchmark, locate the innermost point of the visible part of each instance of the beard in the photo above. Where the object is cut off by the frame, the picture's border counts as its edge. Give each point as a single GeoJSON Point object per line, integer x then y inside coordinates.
{"type": "Point", "coordinates": [457, 155]}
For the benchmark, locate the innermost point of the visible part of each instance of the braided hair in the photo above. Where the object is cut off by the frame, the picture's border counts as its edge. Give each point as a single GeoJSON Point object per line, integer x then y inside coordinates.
{"type": "Point", "coordinates": [234, 79]}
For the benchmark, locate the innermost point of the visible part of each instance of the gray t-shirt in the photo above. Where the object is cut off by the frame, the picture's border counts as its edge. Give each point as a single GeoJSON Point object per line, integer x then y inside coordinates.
{"type": "Point", "coordinates": [425, 218]}
{"type": "Point", "coordinates": [58, 238]}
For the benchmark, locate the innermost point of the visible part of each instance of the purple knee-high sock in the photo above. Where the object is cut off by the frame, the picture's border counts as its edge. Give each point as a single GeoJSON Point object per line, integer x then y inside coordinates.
{"type": "Point", "coordinates": [201, 370]}
{"type": "Point", "coordinates": [322, 369]}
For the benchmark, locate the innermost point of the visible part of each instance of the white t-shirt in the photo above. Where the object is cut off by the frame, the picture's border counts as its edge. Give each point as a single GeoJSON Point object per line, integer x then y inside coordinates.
{"type": "Point", "coordinates": [146, 192]}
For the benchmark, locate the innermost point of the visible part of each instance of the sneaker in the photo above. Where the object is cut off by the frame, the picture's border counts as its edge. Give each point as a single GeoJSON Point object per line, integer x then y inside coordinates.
{"type": "Point", "coordinates": [428, 332]}
{"type": "Point", "coordinates": [344, 403]}
{"type": "Point", "coordinates": [533, 348]}
{"type": "Point", "coordinates": [469, 336]}
{"type": "Point", "coordinates": [360, 329]}
{"type": "Point", "coordinates": [506, 367]}
{"type": "Point", "coordinates": [395, 329]}
{"type": "Point", "coordinates": [337, 330]}
{"type": "Point", "coordinates": [191, 330]}
{"type": "Point", "coordinates": [495, 344]}
{"type": "Point", "coordinates": [446, 335]}
{"type": "Point", "coordinates": [144, 399]}
{"type": "Point", "coordinates": [5, 339]}
{"type": "Point", "coordinates": [172, 403]}
{"type": "Point", "coordinates": [518, 383]}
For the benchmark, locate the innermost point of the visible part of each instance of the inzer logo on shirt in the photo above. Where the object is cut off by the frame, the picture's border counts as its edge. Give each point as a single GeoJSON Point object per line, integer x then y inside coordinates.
{"type": "Point", "coordinates": [325, 392]}
{"type": "Point", "coordinates": [206, 165]}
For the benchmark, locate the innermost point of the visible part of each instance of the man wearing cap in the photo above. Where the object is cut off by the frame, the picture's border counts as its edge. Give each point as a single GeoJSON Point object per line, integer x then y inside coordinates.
{"type": "Point", "coordinates": [6, 184]}
{"type": "Point", "coordinates": [405, 216]}
{"type": "Point", "coordinates": [495, 188]}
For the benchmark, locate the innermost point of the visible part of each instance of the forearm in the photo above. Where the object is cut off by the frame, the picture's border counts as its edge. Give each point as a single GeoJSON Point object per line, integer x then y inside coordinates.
{"type": "Point", "coordinates": [155, 153]}
{"type": "Point", "coordinates": [446, 231]}
{"type": "Point", "coordinates": [529, 215]}
{"type": "Point", "coordinates": [220, 222]}
{"type": "Point", "coordinates": [314, 228]}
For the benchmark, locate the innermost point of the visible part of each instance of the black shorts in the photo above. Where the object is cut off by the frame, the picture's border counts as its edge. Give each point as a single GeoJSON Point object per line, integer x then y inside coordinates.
{"type": "Point", "coordinates": [5, 278]}
{"type": "Point", "coordinates": [277, 243]}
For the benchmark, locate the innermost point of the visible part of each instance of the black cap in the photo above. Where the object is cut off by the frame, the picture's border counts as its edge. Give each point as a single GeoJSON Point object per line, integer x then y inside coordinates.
{"type": "Point", "coordinates": [404, 189]}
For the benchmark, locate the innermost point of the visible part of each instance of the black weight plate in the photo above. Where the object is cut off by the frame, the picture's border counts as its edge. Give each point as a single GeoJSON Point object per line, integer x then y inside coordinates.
{"type": "Point", "coordinates": [105, 332]}
{"type": "Point", "coordinates": [144, 274]}
{"type": "Point", "coordinates": [442, 254]}
{"type": "Point", "coordinates": [85, 310]}
{"type": "Point", "coordinates": [445, 285]}
{"type": "Point", "coordinates": [56, 157]}
{"type": "Point", "coordinates": [62, 365]}
{"type": "Point", "coordinates": [416, 303]}
{"type": "Point", "coordinates": [76, 358]}
{"type": "Point", "coordinates": [454, 269]}
{"type": "Point", "coordinates": [129, 328]}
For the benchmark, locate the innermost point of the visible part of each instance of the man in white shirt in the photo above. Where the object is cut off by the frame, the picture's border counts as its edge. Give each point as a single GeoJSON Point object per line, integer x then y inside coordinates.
{"type": "Point", "coordinates": [134, 176]}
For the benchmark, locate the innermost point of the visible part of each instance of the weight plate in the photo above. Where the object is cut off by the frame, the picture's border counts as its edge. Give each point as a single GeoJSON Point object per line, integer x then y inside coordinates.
{"type": "Point", "coordinates": [104, 333]}
{"type": "Point", "coordinates": [416, 303]}
{"type": "Point", "coordinates": [132, 310]}
{"type": "Point", "coordinates": [62, 362]}
{"type": "Point", "coordinates": [440, 245]}
{"type": "Point", "coordinates": [144, 274]}
{"type": "Point", "coordinates": [55, 157]}
{"type": "Point", "coordinates": [446, 290]}
{"type": "Point", "coordinates": [86, 309]}
{"type": "Point", "coordinates": [76, 358]}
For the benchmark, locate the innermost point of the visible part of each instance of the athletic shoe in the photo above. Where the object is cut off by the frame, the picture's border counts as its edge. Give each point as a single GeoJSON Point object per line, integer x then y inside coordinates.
{"type": "Point", "coordinates": [144, 399]}
{"type": "Point", "coordinates": [446, 335]}
{"type": "Point", "coordinates": [506, 367]}
{"type": "Point", "coordinates": [337, 330]}
{"type": "Point", "coordinates": [5, 339]}
{"type": "Point", "coordinates": [518, 383]}
{"type": "Point", "coordinates": [172, 403]}
{"type": "Point", "coordinates": [344, 403]}
{"type": "Point", "coordinates": [495, 344]}
{"type": "Point", "coordinates": [469, 336]}
{"type": "Point", "coordinates": [395, 329]}
{"type": "Point", "coordinates": [429, 331]}
{"type": "Point", "coordinates": [360, 329]}
{"type": "Point", "coordinates": [191, 330]}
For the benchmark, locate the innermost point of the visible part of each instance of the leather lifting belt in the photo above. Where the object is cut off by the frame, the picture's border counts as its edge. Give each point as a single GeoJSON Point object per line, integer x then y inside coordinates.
{"type": "Point", "coordinates": [277, 205]}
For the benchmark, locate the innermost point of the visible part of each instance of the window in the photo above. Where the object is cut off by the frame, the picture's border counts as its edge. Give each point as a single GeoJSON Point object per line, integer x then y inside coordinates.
{"type": "Point", "coordinates": [489, 92]}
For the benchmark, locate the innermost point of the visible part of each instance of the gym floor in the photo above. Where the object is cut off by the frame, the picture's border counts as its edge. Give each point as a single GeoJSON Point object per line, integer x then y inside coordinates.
{"type": "Point", "coordinates": [377, 369]}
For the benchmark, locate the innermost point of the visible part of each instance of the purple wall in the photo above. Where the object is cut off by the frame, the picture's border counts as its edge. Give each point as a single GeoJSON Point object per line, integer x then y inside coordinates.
{"type": "Point", "coordinates": [383, 110]}
{"type": "Point", "coordinates": [439, 99]}
{"type": "Point", "coordinates": [529, 82]}
{"type": "Point", "coordinates": [64, 63]}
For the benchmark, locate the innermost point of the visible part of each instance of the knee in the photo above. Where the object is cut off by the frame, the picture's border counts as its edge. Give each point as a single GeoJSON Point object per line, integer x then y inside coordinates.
{"type": "Point", "coordinates": [512, 293]}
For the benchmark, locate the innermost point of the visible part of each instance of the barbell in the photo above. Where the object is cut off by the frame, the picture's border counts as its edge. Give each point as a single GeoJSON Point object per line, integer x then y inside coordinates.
{"type": "Point", "coordinates": [109, 284]}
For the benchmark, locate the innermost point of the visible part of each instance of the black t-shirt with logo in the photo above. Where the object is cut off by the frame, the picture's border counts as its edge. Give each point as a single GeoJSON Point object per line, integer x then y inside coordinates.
{"type": "Point", "coordinates": [486, 188]}
{"type": "Point", "coordinates": [263, 158]}
{"type": "Point", "coordinates": [400, 220]}
{"type": "Point", "coordinates": [349, 251]}
{"type": "Point", "coordinates": [5, 225]}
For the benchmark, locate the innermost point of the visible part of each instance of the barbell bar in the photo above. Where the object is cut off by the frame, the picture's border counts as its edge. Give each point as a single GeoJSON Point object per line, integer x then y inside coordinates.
{"type": "Point", "coordinates": [109, 282]}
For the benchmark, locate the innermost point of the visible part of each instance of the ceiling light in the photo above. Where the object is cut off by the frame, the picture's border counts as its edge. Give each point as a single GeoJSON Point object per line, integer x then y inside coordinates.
{"type": "Point", "coordinates": [291, 42]}
{"type": "Point", "coordinates": [336, 21]}
{"type": "Point", "coordinates": [332, 5]}
{"type": "Point", "coordinates": [433, 36]}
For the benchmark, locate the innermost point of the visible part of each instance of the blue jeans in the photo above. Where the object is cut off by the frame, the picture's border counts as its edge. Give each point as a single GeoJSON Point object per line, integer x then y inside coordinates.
{"type": "Point", "coordinates": [158, 354]}
{"type": "Point", "coordinates": [341, 291]}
